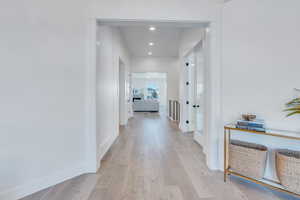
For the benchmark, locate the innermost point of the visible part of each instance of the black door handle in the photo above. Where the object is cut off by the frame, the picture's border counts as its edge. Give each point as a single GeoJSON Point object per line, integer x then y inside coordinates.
{"type": "Point", "coordinates": [194, 106]}
{"type": "Point", "coordinates": [198, 106]}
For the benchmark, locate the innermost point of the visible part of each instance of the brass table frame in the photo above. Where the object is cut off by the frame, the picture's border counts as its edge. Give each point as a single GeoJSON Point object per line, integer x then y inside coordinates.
{"type": "Point", "coordinates": [227, 171]}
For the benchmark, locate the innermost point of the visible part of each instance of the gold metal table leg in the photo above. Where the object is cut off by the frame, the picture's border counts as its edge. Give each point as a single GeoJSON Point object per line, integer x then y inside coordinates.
{"type": "Point", "coordinates": [225, 155]}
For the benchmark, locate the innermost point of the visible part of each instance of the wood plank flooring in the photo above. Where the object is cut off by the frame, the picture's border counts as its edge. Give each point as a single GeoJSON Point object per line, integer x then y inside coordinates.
{"type": "Point", "coordinates": [153, 160]}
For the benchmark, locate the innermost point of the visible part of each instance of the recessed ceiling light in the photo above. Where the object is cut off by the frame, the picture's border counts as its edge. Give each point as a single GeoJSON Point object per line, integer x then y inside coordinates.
{"type": "Point", "coordinates": [150, 53]}
{"type": "Point", "coordinates": [151, 43]}
{"type": "Point", "coordinates": [152, 28]}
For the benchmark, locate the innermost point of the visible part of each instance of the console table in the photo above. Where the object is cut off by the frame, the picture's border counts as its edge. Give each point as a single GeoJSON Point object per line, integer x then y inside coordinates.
{"type": "Point", "coordinates": [231, 129]}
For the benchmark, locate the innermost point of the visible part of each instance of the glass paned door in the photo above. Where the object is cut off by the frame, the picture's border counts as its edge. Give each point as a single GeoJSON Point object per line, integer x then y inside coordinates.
{"type": "Point", "coordinates": [199, 90]}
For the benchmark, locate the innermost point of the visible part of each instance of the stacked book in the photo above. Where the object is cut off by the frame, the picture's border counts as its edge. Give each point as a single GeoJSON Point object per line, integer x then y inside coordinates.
{"type": "Point", "coordinates": [257, 125]}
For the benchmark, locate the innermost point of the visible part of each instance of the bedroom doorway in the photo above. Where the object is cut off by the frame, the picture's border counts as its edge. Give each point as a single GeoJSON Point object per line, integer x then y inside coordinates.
{"type": "Point", "coordinates": [149, 91]}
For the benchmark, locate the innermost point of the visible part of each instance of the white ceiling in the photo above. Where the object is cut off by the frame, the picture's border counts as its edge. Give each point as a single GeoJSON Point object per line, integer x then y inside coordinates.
{"type": "Point", "coordinates": [165, 39]}
{"type": "Point", "coordinates": [149, 75]}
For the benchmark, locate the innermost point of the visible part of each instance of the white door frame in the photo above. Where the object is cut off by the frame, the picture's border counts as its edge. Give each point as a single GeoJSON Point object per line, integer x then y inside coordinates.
{"type": "Point", "coordinates": [215, 122]}
{"type": "Point", "coordinates": [122, 94]}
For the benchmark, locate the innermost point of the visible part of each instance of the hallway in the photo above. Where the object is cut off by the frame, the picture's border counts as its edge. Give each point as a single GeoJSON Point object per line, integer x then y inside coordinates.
{"type": "Point", "coordinates": [152, 160]}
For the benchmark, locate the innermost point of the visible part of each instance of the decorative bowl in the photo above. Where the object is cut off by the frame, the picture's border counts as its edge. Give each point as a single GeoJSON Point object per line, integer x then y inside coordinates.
{"type": "Point", "coordinates": [248, 117]}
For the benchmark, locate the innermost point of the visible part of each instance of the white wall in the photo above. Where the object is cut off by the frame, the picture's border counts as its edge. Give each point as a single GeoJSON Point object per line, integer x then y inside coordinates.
{"type": "Point", "coordinates": [261, 46]}
{"type": "Point", "coordinates": [194, 10]}
{"type": "Point", "coordinates": [42, 94]}
{"type": "Point", "coordinates": [261, 65]}
{"type": "Point", "coordinates": [167, 65]}
{"type": "Point", "coordinates": [189, 38]}
{"type": "Point", "coordinates": [109, 51]}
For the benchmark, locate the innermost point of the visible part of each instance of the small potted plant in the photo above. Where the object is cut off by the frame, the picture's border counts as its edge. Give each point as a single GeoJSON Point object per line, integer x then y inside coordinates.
{"type": "Point", "coordinates": [293, 107]}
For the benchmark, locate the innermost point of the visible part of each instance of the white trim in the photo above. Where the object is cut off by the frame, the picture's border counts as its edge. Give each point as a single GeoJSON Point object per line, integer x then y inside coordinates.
{"type": "Point", "coordinates": [215, 108]}
{"type": "Point", "coordinates": [104, 147]}
{"type": "Point", "coordinates": [91, 143]}
{"type": "Point", "coordinates": [122, 106]}
{"type": "Point", "coordinates": [221, 119]}
{"type": "Point", "coordinates": [33, 186]}
{"type": "Point", "coordinates": [200, 139]}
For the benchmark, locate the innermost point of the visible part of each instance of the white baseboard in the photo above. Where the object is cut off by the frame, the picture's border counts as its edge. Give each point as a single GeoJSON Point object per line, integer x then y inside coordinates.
{"type": "Point", "coordinates": [104, 147]}
{"type": "Point", "coordinates": [39, 184]}
{"type": "Point", "coordinates": [200, 140]}
{"type": "Point", "coordinates": [182, 127]}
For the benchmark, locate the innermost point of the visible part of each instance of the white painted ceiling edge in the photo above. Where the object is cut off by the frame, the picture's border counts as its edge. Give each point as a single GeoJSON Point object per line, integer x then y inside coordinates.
{"type": "Point", "coordinates": [166, 23]}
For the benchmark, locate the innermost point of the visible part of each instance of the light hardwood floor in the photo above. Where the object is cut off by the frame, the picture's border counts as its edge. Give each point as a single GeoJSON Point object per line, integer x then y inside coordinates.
{"type": "Point", "coordinates": [153, 160]}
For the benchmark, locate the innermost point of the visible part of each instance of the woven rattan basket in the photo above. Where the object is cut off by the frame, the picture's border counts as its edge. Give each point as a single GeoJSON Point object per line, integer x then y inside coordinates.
{"type": "Point", "coordinates": [247, 159]}
{"type": "Point", "coordinates": [288, 169]}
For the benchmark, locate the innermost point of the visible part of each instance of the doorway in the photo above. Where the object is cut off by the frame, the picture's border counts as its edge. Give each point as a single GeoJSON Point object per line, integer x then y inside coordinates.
{"type": "Point", "coordinates": [149, 91]}
{"type": "Point", "coordinates": [196, 61]}
{"type": "Point", "coordinates": [147, 58]}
